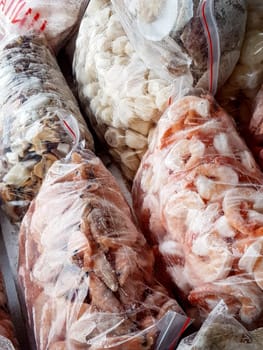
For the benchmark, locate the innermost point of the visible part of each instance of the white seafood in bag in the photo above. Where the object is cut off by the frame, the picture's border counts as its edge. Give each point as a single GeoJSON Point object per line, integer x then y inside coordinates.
{"type": "Point", "coordinates": [122, 97]}
{"type": "Point", "coordinates": [200, 39]}
{"type": "Point", "coordinates": [198, 195]}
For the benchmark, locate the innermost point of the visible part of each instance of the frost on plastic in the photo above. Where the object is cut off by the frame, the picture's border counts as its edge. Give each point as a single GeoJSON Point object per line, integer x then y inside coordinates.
{"type": "Point", "coordinates": [198, 194]}
{"type": "Point", "coordinates": [122, 97]}
{"type": "Point", "coordinates": [178, 37]}
{"type": "Point", "coordinates": [85, 269]}
{"type": "Point", "coordinates": [237, 95]}
{"type": "Point", "coordinates": [34, 95]}
{"type": "Point", "coordinates": [222, 330]}
{"type": "Point", "coordinates": [7, 334]}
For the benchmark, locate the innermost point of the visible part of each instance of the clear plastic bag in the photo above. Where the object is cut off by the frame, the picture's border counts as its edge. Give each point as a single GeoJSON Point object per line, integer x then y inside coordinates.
{"type": "Point", "coordinates": [121, 96]}
{"type": "Point", "coordinates": [7, 334]}
{"type": "Point", "coordinates": [85, 269]}
{"type": "Point", "coordinates": [237, 95]}
{"type": "Point", "coordinates": [198, 195]}
{"type": "Point", "coordinates": [58, 19]}
{"type": "Point", "coordinates": [222, 331]}
{"type": "Point", "coordinates": [34, 95]}
{"type": "Point", "coordinates": [201, 39]}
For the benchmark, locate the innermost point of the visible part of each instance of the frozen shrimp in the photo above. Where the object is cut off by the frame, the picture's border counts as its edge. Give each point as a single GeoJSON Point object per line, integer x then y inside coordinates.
{"type": "Point", "coordinates": [208, 259]}
{"type": "Point", "coordinates": [211, 182]}
{"type": "Point", "coordinates": [242, 296]}
{"type": "Point", "coordinates": [243, 208]}
{"type": "Point", "coordinates": [197, 194]}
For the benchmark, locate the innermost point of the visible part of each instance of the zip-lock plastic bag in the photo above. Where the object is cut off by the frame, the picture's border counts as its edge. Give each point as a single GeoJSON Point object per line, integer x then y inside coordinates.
{"type": "Point", "coordinates": [93, 286]}
{"type": "Point", "coordinates": [237, 95]}
{"type": "Point", "coordinates": [198, 195]}
{"type": "Point", "coordinates": [121, 96]}
{"type": "Point", "coordinates": [58, 19]}
{"type": "Point", "coordinates": [34, 94]}
{"type": "Point", "coordinates": [8, 340]}
{"type": "Point", "coordinates": [200, 39]}
{"type": "Point", "coordinates": [222, 331]}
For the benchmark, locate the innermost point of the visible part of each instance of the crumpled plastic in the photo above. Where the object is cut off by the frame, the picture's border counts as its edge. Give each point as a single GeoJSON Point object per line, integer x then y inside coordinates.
{"type": "Point", "coordinates": [222, 331]}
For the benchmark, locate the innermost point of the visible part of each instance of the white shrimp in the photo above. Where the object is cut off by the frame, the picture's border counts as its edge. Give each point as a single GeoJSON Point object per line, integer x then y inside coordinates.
{"type": "Point", "coordinates": [178, 210]}
{"type": "Point", "coordinates": [243, 208]}
{"type": "Point", "coordinates": [212, 181]}
{"type": "Point", "coordinates": [241, 295]}
{"type": "Point", "coordinates": [252, 261]}
{"type": "Point", "coordinates": [208, 259]}
{"type": "Point", "coordinates": [185, 154]}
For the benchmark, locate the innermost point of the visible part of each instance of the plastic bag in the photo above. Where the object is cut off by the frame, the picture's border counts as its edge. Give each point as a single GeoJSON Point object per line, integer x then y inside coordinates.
{"type": "Point", "coordinates": [255, 135]}
{"type": "Point", "coordinates": [201, 39]}
{"type": "Point", "coordinates": [237, 95]}
{"type": "Point", "coordinates": [121, 96]}
{"type": "Point", "coordinates": [198, 195]}
{"type": "Point", "coordinates": [34, 95]}
{"type": "Point", "coordinates": [222, 331]}
{"type": "Point", "coordinates": [85, 269]}
{"type": "Point", "coordinates": [7, 334]}
{"type": "Point", "coordinates": [58, 19]}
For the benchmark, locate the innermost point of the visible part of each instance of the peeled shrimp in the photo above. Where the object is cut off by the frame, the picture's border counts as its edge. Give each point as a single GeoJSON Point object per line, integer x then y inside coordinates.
{"type": "Point", "coordinates": [241, 295]}
{"type": "Point", "coordinates": [243, 208]}
{"type": "Point", "coordinates": [208, 259]}
{"type": "Point", "coordinates": [198, 194]}
{"type": "Point", "coordinates": [211, 182]}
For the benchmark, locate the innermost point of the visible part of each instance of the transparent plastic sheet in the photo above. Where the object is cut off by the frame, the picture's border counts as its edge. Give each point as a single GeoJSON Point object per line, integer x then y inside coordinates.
{"type": "Point", "coordinates": [201, 39]}
{"type": "Point", "coordinates": [34, 95]}
{"type": "Point", "coordinates": [222, 331]}
{"type": "Point", "coordinates": [121, 96]}
{"type": "Point", "coordinates": [198, 196]}
{"type": "Point", "coordinates": [7, 335]}
{"type": "Point", "coordinates": [58, 19]}
{"type": "Point", "coordinates": [237, 95]}
{"type": "Point", "coordinates": [255, 135]}
{"type": "Point", "coordinates": [92, 287]}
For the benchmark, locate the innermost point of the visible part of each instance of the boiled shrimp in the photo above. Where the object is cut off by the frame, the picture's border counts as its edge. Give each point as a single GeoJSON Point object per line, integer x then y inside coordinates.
{"type": "Point", "coordinates": [185, 154]}
{"type": "Point", "coordinates": [208, 259]}
{"type": "Point", "coordinates": [252, 261]}
{"type": "Point", "coordinates": [180, 207]}
{"type": "Point", "coordinates": [212, 181]}
{"type": "Point", "coordinates": [243, 208]}
{"type": "Point", "coordinates": [241, 295]}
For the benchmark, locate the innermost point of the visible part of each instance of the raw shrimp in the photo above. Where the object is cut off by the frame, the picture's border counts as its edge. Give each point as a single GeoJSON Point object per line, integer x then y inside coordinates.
{"type": "Point", "coordinates": [243, 208]}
